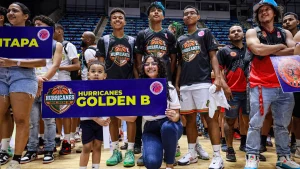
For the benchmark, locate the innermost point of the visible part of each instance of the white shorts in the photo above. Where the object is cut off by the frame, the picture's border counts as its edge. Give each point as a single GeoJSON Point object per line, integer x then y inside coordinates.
{"type": "Point", "coordinates": [192, 101]}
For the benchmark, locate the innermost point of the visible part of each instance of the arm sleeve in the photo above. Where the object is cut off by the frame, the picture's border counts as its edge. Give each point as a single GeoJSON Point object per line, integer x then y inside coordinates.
{"type": "Point", "coordinates": [72, 51]}
{"type": "Point", "coordinates": [139, 43]}
{"type": "Point", "coordinates": [100, 51]}
{"type": "Point", "coordinates": [211, 42]}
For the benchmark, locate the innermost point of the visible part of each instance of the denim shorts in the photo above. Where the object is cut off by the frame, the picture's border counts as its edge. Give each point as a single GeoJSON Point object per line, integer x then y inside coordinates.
{"type": "Point", "coordinates": [237, 104]}
{"type": "Point", "coordinates": [17, 79]}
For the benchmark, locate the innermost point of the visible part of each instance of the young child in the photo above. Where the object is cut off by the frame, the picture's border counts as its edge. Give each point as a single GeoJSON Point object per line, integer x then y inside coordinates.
{"type": "Point", "coordinates": [92, 133]}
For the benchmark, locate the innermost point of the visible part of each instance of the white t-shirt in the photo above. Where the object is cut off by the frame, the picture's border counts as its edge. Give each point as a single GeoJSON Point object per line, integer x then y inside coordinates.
{"type": "Point", "coordinates": [173, 104]}
{"type": "Point", "coordinates": [67, 60]}
{"type": "Point", "coordinates": [41, 71]}
{"type": "Point", "coordinates": [88, 55]}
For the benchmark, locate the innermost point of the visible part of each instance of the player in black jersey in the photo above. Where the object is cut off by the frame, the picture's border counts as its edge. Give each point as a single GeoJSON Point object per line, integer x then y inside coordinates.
{"type": "Point", "coordinates": [156, 40]}
{"type": "Point", "coordinates": [197, 54]}
{"type": "Point", "coordinates": [116, 50]}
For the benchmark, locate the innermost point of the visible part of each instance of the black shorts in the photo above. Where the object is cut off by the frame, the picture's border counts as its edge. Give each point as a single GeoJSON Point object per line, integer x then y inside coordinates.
{"type": "Point", "coordinates": [91, 131]}
{"type": "Point", "coordinates": [296, 112]}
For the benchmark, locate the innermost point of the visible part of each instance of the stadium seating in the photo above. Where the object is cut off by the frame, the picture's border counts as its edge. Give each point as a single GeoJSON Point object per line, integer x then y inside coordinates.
{"type": "Point", "coordinates": [76, 23]}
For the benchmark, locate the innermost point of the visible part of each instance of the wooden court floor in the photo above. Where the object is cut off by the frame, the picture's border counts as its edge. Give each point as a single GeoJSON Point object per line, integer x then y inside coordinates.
{"type": "Point", "coordinates": [72, 161]}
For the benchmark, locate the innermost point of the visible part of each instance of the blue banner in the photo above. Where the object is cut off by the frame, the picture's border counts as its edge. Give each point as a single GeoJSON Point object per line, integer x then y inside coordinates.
{"type": "Point", "coordinates": [287, 70]}
{"type": "Point", "coordinates": [98, 98]}
{"type": "Point", "coordinates": [26, 42]}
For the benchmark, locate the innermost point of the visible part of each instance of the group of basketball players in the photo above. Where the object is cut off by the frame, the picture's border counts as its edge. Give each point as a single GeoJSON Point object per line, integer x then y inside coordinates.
{"type": "Point", "coordinates": [243, 71]}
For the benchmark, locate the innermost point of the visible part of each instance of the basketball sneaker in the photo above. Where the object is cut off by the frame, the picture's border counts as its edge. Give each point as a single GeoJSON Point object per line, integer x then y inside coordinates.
{"type": "Point", "coordinates": [252, 161]}
{"type": "Point", "coordinates": [284, 162]}
{"type": "Point", "coordinates": [188, 158]}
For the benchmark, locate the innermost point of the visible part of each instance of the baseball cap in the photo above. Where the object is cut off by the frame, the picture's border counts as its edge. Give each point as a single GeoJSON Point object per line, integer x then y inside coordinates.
{"type": "Point", "coordinates": [264, 2]}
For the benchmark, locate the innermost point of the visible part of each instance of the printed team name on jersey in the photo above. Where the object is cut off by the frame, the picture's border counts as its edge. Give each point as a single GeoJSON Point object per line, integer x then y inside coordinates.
{"type": "Point", "coordinates": [157, 46]}
{"type": "Point", "coordinates": [120, 55]}
{"type": "Point", "coordinates": [190, 49]}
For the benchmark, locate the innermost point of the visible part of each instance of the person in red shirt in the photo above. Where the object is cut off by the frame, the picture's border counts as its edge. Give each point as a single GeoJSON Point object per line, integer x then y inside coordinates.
{"type": "Point", "coordinates": [265, 41]}
{"type": "Point", "coordinates": [231, 60]}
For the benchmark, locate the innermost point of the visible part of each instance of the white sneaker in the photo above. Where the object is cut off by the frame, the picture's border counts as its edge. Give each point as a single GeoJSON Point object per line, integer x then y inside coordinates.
{"type": "Point", "coordinates": [77, 137]}
{"type": "Point", "coordinates": [297, 152]}
{"type": "Point", "coordinates": [252, 161]}
{"type": "Point", "coordinates": [13, 165]}
{"type": "Point", "coordinates": [284, 162]}
{"type": "Point", "coordinates": [188, 159]}
{"type": "Point", "coordinates": [202, 154]}
{"type": "Point", "coordinates": [216, 162]}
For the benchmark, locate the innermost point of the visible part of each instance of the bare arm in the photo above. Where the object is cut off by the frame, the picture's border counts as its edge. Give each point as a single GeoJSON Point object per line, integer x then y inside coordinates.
{"type": "Point", "coordinates": [297, 50]}
{"type": "Point", "coordinates": [216, 68]}
{"type": "Point", "coordinates": [297, 37]}
{"type": "Point", "coordinates": [138, 59]}
{"type": "Point", "coordinates": [56, 62]}
{"type": "Point", "coordinates": [74, 66]}
{"type": "Point", "coordinates": [178, 76]}
{"type": "Point", "coordinates": [258, 48]}
{"type": "Point", "coordinates": [173, 62]}
{"type": "Point", "coordinates": [5, 62]}
{"type": "Point", "coordinates": [290, 45]}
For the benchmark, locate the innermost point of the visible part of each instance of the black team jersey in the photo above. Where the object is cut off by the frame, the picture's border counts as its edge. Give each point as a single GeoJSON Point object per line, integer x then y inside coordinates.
{"type": "Point", "coordinates": [160, 44]}
{"type": "Point", "coordinates": [118, 57]}
{"type": "Point", "coordinates": [231, 59]}
{"type": "Point", "coordinates": [194, 50]}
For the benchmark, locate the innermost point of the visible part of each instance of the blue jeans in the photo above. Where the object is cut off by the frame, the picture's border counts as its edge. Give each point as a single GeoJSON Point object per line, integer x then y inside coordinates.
{"type": "Point", "coordinates": [282, 105]}
{"type": "Point", "coordinates": [160, 135]}
{"type": "Point", "coordinates": [238, 101]}
{"type": "Point", "coordinates": [50, 128]}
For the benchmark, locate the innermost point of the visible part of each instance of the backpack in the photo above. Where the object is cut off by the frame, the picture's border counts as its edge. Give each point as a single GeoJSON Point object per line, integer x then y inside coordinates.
{"type": "Point", "coordinates": [82, 58]}
{"type": "Point", "coordinates": [74, 74]}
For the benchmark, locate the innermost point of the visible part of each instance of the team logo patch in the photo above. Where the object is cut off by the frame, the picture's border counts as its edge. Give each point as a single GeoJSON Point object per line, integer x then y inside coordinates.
{"type": "Point", "coordinates": [120, 55]}
{"type": "Point", "coordinates": [157, 47]}
{"type": "Point", "coordinates": [190, 49]}
{"type": "Point", "coordinates": [233, 54]}
{"type": "Point", "coordinates": [278, 34]}
{"type": "Point", "coordinates": [43, 34]}
{"type": "Point", "coordinates": [201, 33]}
{"type": "Point", "coordinates": [59, 98]}
{"type": "Point", "coordinates": [156, 88]}
{"type": "Point", "coordinates": [264, 34]}
{"type": "Point", "coordinates": [289, 72]}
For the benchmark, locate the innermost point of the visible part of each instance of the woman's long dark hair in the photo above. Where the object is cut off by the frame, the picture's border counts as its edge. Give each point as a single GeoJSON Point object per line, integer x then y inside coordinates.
{"type": "Point", "coordinates": [162, 71]}
{"type": "Point", "coordinates": [25, 11]}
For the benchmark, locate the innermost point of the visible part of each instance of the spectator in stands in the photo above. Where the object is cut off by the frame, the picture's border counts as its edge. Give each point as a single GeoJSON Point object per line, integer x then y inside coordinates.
{"type": "Point", "coordinates": [161, 133]}
{"type": "Point", "coordinates": [265, 92]}
{"type": "Point", "coordinates": [117, 51]}
{"type": "Point", "coordinates": [231, 60]}
{"type": "Point", "coordinates": [158, 41]}
{"type": "Point", "coordinates": [89, 53]}
{"type": "Point", "coordinates": [49, 72]}
{"type": "Point", "coordinates": [296, 113]}
{"type": "Point", "coordinates": [70, 62]}
{"type": "Point", "coordinates": [290, 22]}
{"type": "Point", "coordinates": [177, 29]}
{"type": "Point", "coordinates": [15, 74]}
{"type": "Point", "coordinates": [197, 55]}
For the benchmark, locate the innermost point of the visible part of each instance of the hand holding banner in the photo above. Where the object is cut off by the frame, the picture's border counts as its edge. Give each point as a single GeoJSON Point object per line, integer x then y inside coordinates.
{"type": "Point", "coordinates": [104, 98]}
